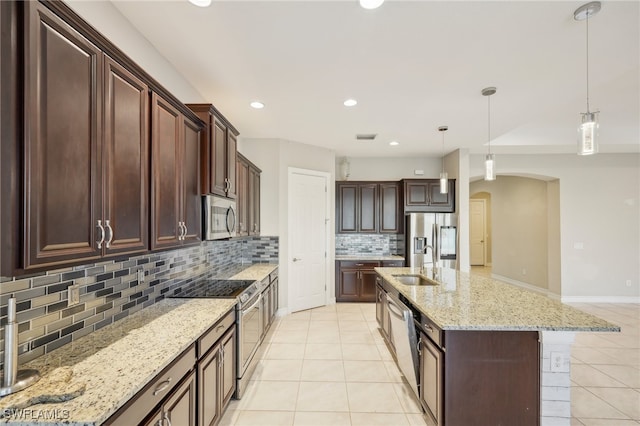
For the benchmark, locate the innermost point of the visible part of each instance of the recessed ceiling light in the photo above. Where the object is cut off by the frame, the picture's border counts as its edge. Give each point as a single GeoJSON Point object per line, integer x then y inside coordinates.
{"type": "Point", "coordinates": [257, 105]}
{"type": "Point", "coordinates": [394, 143]}
{"type": "Point", "coordinates": [201, 3]}
{"type": "Point", "coordinates": [350, 102]}
{"type": "Point", "coordinates": [371, 4]}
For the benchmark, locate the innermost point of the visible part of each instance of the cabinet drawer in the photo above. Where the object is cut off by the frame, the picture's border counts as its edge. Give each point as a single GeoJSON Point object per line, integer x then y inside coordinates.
{"type": "Point", "coordinates": [153, 394]}
{"type": "Point", "coordinates": [360, 264]}
{"type": "Point", "coordinates": [431, 330]}
{"type": "Point", "coordinates": [393, 263]}
{"type": "Point", "coordinates": [211, 337]}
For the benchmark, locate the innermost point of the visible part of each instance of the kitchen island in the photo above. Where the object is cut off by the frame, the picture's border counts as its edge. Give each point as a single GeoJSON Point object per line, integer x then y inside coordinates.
{"type": "Point", "coordinates": [485, 340]}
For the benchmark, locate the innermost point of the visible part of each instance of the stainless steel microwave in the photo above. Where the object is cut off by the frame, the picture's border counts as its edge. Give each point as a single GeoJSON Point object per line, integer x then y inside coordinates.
{"type": "Point", "coordinates": [219, 217]}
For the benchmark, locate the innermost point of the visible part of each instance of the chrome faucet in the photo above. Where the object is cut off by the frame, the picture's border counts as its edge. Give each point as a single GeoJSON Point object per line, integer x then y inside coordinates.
{"type": "Point", "coordinates": [433, 258]}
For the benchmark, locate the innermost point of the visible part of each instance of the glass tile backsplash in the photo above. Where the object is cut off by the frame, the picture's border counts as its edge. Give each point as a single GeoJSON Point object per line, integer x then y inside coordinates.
{"type": "Point", "coordinates": [111, 290]}
{"type": "Point", "coordinates": [369, 244]}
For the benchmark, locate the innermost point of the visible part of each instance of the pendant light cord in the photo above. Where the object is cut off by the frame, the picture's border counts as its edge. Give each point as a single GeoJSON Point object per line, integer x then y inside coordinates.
{"type": "Point", "coordinates": [443, 151]}
{"type": "Point", "coordinates": [489, 122]}
{"type": "Point", "coordinates": [587, 20]}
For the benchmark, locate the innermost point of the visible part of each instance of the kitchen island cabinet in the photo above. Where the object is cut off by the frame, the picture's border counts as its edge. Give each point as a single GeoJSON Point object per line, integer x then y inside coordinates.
{"type": "Point", "coordinates": [477, 333]}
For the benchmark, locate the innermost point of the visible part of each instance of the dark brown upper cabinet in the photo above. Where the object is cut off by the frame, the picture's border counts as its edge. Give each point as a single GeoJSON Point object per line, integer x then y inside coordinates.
{"type": "Point", "coordinates": [368, 207]}
{"type": "Point", "coordinates": [248, 200]}
{"type": "Point", "coordinates": [218, 152]}
{"type": "Point", "coordinates": [86, 148]}
{"type": "Point", "coordinates": [423, 195]}
{"type": "Point", "coordinates": [175, 190]}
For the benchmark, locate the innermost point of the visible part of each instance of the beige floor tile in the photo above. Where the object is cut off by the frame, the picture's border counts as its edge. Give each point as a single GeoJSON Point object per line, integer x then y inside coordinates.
{"type": "Point", "coordinates": [285, 351]}
{"type": "Point", "coordinates": [378, 419]}
{"type": "Point", "coordinates": [407, 398]}
{"type": "Point", "coordinates": [585, 404]}
{"type": "Point", "coordinates": [294, 325]}
{"type": "Point", "coordinates": [361, 326]}
{"type": "Point", "coordinates": [626, 374]}
{"type": "Point", "coordinates": [324, 336]}
{"type": "Point", "coordinates": [418, 419]}
{"type": "Point", "coordinates": [297, 316]}
{"type": "Point", "coordinates": [385, 354]}
{"type": "Point", "coordinates": [586, 375]}
{"type": "Point", "coordinates": [231, 414]}
{"type": "Point", "coordinates": [324, 327]}
{"type": "Point", "coordinates": [262, 418]}
{"type": "Point", "coordinates": [393, 371]}
{"type": "Point", "coordinates": [348, 307]}
{"type": "Point", "coordinates": [285, 336]}
{"type": "Point", "coordinates": [606, 422]}
{"type": "Point", "coordinates": [373, 398]}
{"type": "Point", "coordinates": [323, 351]}
{"type": "Point", "coordinates": [322, 396]}
{"type": "Point", "coordinates": [324, 316]}
{"type": "Point", "coordinates": [324, 309]}
{"type": "Point", "coordinates": [360, 352]}
{"type": "Point", "coordinates": [366, 371]}
{"type": "Point", "coordinates": [279, 370]}
{"type": "Point", "coordinates": [357, 337]}
{"type": "Point", "coordinates": [351, 316]}
{"type": "Point", "coordinates": [626, 401]}
{"type": "Point", "coordinates": [270, 396]}
{"type": "Point", "coordinates": [309, 418]}
{"type": "Point", "coordinates": [320, 370]}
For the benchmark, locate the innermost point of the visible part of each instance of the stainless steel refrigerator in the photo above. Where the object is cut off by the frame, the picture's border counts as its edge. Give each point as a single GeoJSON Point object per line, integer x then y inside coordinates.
{"type": "Point", "coordinates": [431, 237]}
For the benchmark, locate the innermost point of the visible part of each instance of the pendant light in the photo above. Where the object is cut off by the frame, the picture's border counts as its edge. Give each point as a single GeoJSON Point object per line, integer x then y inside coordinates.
{"type": "Point", "coordinates": [444, 177]}
{"type": "Point", "coordinates": [588, 129]}
{"type": "Point", "coordinates": [489, 161]}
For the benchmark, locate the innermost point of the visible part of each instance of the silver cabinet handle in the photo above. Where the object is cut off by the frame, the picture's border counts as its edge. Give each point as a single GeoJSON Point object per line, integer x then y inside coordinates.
{"type": "Point", "coordinates": [99, 225]}
{"type": "Point", "coordinates": [359, 264]}
{"type": "Point", "coordinates": [110, 229]}
{"type": "Point", "coordinates": [162, 387]}
{"type": "Point", "coordinates": [165, 417]}
{"type": "Point", "coordinates": [184, 225]}
{"type": "Point", "coordinates": [179, 231]}
{"type": "Point", "coordinates": [295, 259]}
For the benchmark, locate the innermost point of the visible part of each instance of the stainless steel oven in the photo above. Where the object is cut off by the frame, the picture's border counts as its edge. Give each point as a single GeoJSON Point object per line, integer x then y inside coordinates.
{"type": "Point", "coordinates": [250, 330]}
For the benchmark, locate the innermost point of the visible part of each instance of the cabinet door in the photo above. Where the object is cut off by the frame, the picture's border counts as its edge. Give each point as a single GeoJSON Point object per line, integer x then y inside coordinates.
{"type": "Point", "coordinates": [208, 390]}
{"type": "Point", "coordinates": [218, 173]}
{"type": "Point", "coordinates": [368, 208]}
{"type": "Point", "coordinates": [192, 208]}
{"type": "Point", "coordinates": [242, 198]}
{"type": "Point", "coordinates": [254, 201]}
{"type": "Point", "coordinates": [441, 202]}
{"type": "Point", "coordinates": [126, 159]}
{"type": "Point", "coordinates": [231, 153]}
{"type": "Point", "coordinates": [346, 206]}
{"type": "Point", "coordinates": [416, 193]}
{"type": "Point", "coordinates": [367, 285]}
{"type": "Point", "coordinates": [348, 285]}
{"type": "Point", "coordinates": [180, 407]}
{"type": "Point", "coordinates": [228, 369]}
{"type": "Point", "coordinates": [63, 103]}
{"type": "Point", "coordinates": [166, 157]}
{"type": "Point", "coordinates": [431, 370]}
{"type": "Point", "coordinates": [391, 218]}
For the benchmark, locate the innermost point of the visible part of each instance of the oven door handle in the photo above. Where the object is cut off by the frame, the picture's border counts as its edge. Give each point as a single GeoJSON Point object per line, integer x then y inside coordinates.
{"type": "Point", "coordinates": [258, 300]}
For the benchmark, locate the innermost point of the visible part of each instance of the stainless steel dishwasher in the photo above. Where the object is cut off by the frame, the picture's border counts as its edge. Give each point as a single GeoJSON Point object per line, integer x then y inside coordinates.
{"type": "Point", "coordinates": [404, 340]}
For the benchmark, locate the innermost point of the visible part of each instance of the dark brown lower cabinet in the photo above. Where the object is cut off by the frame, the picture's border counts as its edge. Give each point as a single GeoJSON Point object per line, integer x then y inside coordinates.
{"type": "Point", "coordinates": [179, 408]}
{"type": "Point", "coordinates": [356, 281]}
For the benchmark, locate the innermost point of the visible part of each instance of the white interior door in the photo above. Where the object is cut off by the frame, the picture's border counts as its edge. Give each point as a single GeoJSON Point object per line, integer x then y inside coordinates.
{"type": "Point", "coordinates": [308, 219]}
{"type": "Point", "coordinates": [477, 232]}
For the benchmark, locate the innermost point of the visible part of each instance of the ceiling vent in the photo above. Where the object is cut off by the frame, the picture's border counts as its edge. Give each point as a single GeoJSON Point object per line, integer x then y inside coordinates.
{"type": "Point", "coordinates": [366, 136]}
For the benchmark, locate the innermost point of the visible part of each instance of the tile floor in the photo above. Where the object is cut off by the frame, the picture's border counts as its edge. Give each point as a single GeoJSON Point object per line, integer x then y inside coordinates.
{"type": "Point", "coordinates": [329, 366]}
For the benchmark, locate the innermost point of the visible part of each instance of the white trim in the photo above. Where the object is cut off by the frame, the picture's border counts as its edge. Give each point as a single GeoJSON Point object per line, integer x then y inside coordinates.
{"type": "Point", "coordinates": [600, 299]}
{"type": "Point", "coordinates": [523, 285]}
{"type": "Point", "coordinates": [327, 180]}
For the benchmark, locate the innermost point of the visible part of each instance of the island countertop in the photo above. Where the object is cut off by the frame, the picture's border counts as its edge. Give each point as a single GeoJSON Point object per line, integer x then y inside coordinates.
{"type": "Point", "coordinates": [464, 301]}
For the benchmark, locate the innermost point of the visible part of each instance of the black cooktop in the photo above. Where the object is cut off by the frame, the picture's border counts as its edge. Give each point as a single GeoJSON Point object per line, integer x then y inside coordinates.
{"type": "Point", "coordinates": [214, 288]}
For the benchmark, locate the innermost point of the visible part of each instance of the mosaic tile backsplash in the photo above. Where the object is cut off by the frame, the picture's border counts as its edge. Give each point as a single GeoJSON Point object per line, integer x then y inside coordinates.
{"type": "Point", "coordinates": [111, 290]}
{"type": "Point", "coordinates": [369, 244]}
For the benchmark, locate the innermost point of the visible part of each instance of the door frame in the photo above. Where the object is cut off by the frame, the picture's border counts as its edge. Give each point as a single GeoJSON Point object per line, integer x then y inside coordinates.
{"type": "Point", "coordinates": [484, 229]}
{"type": "Point", "coordinates": [327, 179]}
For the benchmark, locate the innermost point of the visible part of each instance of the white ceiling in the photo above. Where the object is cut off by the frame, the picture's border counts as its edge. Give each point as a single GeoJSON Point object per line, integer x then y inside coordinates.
{"type": "Point", "coordinates": [412, 66]}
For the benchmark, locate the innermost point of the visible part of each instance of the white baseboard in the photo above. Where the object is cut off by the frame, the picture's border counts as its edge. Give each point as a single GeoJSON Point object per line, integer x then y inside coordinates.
{"type": "Point", "coordinates": [600, 299]}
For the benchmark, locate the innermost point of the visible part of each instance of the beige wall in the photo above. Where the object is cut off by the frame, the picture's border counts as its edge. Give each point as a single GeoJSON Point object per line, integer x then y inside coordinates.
{"type": "Point", "coordinates": [519, 231]}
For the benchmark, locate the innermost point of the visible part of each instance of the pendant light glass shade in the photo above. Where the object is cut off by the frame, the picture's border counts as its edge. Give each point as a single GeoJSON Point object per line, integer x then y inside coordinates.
{"type": "Point", "coordinates": [444, 177]}
{"type": "Point", "coordinates": [489, 167]}
{"type": "Point", "coordinates": [588, 134]}
{"type": "Point", "coordinates": [588, 129]}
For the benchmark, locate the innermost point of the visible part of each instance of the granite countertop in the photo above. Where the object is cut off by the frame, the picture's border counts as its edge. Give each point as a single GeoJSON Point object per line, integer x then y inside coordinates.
{"type": "Point", "coordinates": [258, 272]}
{"type": "Point", "coordinates": [117, 361]}
{"type": "Point", "coordinates": [369, 256]}
{"type": "Point", "coordinates": [469, 302]}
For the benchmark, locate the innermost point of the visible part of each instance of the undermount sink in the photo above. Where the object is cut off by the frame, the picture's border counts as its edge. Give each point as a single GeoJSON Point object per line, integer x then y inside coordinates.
{"type": "Point", "coordinates": [415, 280]}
